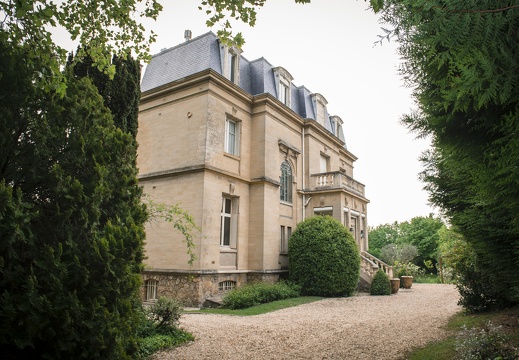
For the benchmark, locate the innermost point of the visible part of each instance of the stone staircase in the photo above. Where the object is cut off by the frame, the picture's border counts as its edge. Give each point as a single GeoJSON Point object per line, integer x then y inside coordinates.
{"type": "Point", "coordinates": [369, 265]}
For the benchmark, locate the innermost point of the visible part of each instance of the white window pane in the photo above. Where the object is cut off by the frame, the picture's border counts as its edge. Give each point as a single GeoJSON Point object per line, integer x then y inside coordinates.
{"type": "Point", "coordinates": [226, 241]}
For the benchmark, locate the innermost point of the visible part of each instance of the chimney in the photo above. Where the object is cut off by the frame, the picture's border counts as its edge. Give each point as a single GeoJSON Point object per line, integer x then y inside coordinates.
{"type": "Point", "coordinates": [187, 35]}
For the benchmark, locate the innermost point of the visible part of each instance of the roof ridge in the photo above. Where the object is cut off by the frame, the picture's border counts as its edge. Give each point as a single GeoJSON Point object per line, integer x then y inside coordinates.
{"type": "Point", "coordinates": [166, 50]}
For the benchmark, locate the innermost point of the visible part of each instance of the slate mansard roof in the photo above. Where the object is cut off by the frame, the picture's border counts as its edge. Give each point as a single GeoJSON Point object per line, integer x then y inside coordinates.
{"type": "Point", "coordinates": [203, 52]}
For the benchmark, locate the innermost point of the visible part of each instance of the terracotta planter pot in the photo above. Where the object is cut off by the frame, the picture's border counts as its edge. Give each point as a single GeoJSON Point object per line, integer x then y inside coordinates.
{"type": "Point", "coordinates": [395, 285]}
{"type": "Point", "coordinates": [407, 281]}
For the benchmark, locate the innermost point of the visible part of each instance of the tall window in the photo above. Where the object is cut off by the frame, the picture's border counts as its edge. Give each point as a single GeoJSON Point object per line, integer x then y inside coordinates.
{"type": "Point", "coordinates": [283, 93]}
{"type": "Point", "coordinates": [229, 222]}
{"type": "Point", "coordinates": [225, 237]}
{"type": "Point", "coordinates": [282, 241]}
{"type": "Point", "coordinates": [151, 289]}
{"type": "Point", "coordinates": [232, 66]}
{"type": "Point", "coordinates": [284, 237]}
{"type": "Point", "coordinates": [286, 182]}
{"type": "Point", "coordinates": [232, 137]}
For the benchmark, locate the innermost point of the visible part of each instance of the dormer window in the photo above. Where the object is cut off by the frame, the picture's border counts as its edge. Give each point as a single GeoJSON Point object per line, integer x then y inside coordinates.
{"type": "Point", "coordinates": [337, 127]}
{"type": "Point", "coordinates": [283, 83]}
{"type": "Point", "coordinates": [230, 57]}
{"type": "Point", "coordinates": [319, 103]}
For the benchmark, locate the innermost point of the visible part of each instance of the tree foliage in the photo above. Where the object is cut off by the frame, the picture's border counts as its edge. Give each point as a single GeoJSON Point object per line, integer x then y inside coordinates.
{"type": "Point", "coordinates": [106, 27]}
{"type": "Point", "coordinates": [71, 219]}
{"type": "Point", "coordinates": [323, 258]}
{"type": "Point", "coordinates": [422, 232]}
{"type": "Point", "coordinates": [387, 241]}
{"type": "Point", "coordinates": [121, 93]}
{"type": "Point", "coordinates": [382, 235]}
{"type": "Point", "coordinates": [460, 58]}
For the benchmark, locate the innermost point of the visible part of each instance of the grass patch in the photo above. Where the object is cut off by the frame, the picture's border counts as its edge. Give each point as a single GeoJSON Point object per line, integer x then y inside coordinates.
{"type": "Point", "coordinates": [427, 279]}
{"type": "Point", "coordinates": [262, 308]}
{"type": "Point", "coordinates": [507, 319]}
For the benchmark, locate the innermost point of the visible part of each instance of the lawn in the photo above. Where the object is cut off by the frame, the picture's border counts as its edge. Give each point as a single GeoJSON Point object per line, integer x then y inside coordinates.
{"type": "Point", "coordinates": [506, 321]}
{"type": "Point", "coordinates": [262, 308]}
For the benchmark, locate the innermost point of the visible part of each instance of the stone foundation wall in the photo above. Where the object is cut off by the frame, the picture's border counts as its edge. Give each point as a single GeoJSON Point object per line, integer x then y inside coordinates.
{"type": "Point", "coordinates": [192, 288]}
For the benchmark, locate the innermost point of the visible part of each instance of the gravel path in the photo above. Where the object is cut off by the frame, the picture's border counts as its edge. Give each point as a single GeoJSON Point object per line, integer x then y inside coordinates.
{"type": "Point", "coordinates": [359, 327]}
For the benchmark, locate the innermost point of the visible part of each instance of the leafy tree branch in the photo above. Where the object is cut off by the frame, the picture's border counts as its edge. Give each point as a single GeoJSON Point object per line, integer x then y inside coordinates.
{"type": "Point", "coordinates": [179, 218]}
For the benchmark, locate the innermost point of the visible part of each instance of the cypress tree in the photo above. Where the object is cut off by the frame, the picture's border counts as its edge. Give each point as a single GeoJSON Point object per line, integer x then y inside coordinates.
{"type": "Point", "coordinates": [71, 220]}
{"type": "Point", "coordinates": [121, 94]}
{"type": "Point", "coordinates": [460, 58]}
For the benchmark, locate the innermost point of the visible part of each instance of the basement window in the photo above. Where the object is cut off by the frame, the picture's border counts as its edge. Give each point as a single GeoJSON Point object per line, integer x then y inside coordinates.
{"type": "Point", "coordinates": [226, 286]}
{"type": "Point", "coordinates": [151, 290]}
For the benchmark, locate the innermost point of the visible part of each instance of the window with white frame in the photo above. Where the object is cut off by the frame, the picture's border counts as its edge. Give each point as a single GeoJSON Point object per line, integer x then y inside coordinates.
{"type": "Point", "coordinates": [150, 290]}
{"type": "Point", "coordinates": [232, 137]}
{"type": "Point", "coordinates": [283, 93]}
{"type": "Point", "coordinates": [229, 221]}
{"type": "Point", "coordinates": [283, 82]}
{"type": "Point", "coordinates": [232, 66]}
{"type": "Point", "coordinates": [319, 103]}
{"type": "Point", "coordinates": [285, 181]}
{"type": "Point", "coordinates": [337, 126]}
{"type": "Point", "coordinates": [230, 60]}
{"type": "Point", "coordinates": [324, 163]}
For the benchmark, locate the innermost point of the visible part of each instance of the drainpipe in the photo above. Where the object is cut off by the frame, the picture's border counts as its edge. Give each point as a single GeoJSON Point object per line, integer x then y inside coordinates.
{"type": "Point", "coordinates": [303, 170]}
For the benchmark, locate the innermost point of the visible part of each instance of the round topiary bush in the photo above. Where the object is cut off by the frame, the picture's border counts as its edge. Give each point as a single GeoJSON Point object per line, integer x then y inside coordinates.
{"type": "Point", "coordinates": [381, 284]}
{"type": "Point", "coordinates": [323, 258]}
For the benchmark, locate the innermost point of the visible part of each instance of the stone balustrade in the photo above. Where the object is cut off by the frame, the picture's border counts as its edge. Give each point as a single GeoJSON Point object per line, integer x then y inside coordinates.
{"type": "Point", "coordinates": [336, 179]}
{"type": "Point", "coordinates": [377, 263]}
{"type": "Point", "coordinates": [367, 268]}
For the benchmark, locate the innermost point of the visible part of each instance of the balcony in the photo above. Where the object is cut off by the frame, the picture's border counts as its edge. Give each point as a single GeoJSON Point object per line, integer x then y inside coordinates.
{"type": "Point", "coordinates": [336, 180]}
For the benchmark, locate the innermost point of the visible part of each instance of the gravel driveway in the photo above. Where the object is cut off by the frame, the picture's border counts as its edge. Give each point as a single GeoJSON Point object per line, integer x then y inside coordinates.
{"type": "Point", "coordinates": [358, 327]}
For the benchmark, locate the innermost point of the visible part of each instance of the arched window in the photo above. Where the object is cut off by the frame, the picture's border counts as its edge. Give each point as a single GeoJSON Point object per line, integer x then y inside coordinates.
{"type": "Point", "coordinates": [286, 182]}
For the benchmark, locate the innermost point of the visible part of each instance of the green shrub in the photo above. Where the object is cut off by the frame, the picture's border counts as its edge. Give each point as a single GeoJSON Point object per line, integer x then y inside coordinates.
{"type": "Point", "coordinates": [323, 258]}
{"type": "Point", "coordinates": [157, 328]}
{"type": "Point", "coordinates": [171, 338]}
{"type": "Point", "coordinates": [259, 293]}
{"type": "Point", "coordinates": [165, 312]}
{"type": "Point", "coordinates": [381, 284]}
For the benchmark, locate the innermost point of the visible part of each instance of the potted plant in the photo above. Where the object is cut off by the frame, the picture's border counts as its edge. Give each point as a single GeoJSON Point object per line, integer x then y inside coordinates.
{"type": "Point", "coordinates": [405, 271]}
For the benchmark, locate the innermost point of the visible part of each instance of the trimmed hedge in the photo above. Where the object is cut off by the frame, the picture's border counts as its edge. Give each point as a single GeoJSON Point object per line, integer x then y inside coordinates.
{"type": "Point", "coordinates": [323, 258]}
{"type": "Point", "coordinates": [381, 284]}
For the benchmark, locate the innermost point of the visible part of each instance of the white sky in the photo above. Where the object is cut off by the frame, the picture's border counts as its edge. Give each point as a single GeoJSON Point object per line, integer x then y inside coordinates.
{"type": "Point", "coordinates": [327, 46]}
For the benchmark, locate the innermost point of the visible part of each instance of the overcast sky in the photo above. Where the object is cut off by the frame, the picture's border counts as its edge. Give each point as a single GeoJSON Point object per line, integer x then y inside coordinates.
{"type": "Point", "coordinates": [327, 46]}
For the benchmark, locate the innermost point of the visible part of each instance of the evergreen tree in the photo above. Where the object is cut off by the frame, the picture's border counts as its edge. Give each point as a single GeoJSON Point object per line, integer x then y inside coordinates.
{"type": "Point", "coordinates": [461, 57]}
{"type": "Point", "coordinates": [71, 220]}
{"type": "Point", "coordinates": [121, 94]}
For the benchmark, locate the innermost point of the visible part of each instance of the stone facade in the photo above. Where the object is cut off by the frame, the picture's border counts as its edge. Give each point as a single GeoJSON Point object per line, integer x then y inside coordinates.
{"type": "Point", "coordinates": [287, 162]}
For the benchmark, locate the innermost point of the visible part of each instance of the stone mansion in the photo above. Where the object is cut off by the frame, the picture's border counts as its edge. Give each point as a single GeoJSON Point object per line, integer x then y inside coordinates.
{"type": "Point", "coordinates": [249, 155]}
